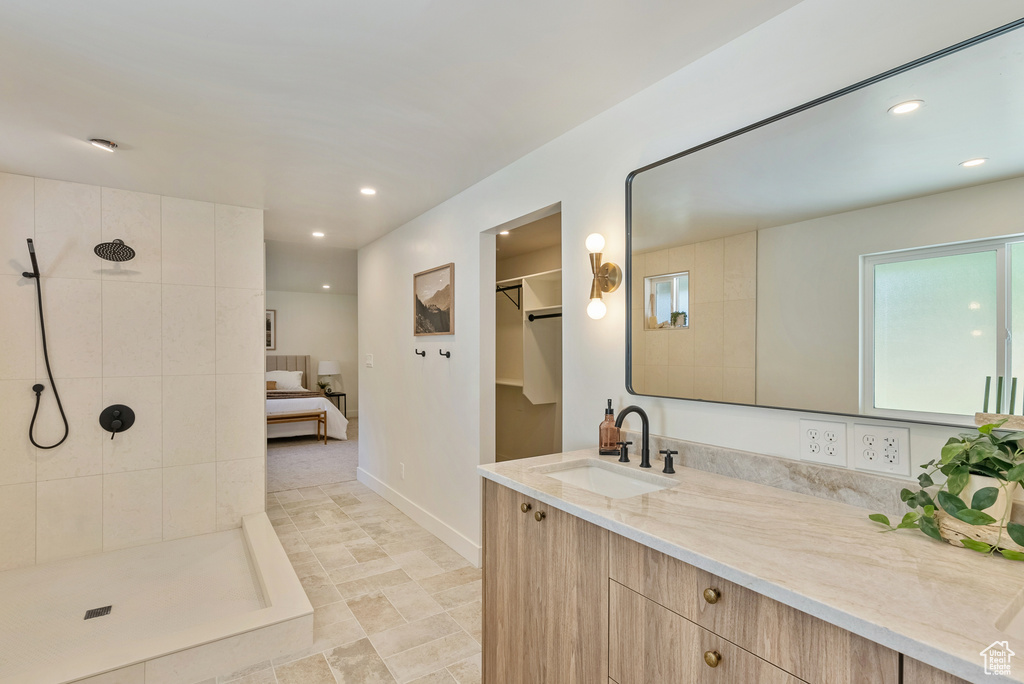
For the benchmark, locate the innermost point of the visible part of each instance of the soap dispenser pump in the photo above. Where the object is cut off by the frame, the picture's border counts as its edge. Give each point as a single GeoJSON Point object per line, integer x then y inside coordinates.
{"type": "Point", "coordinates": [609, 434]}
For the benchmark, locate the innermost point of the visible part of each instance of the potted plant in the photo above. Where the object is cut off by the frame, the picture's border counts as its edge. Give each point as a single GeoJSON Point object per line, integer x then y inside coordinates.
{"type": "Point", "coordinates": [324, 385]}
{"type": "Point", "coordinates": [982, 471]}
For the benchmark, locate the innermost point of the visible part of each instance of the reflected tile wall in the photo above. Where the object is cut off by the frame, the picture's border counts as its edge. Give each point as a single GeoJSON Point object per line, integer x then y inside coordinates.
{"type": "Point", "coordinates": [715, 357]}
{"type": "Point", "coordinates": [145, 333]}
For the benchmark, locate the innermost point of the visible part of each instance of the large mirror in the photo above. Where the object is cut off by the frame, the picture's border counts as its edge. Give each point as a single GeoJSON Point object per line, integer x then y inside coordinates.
{"type": "Point", "coordinates": [863, 256]}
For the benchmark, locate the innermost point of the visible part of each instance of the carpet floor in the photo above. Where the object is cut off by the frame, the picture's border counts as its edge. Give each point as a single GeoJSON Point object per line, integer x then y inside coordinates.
{"type": "Point", "coordinates": [296, 462]}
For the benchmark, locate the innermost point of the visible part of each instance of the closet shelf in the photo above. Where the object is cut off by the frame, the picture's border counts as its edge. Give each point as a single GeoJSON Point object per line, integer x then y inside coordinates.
{"type": "Point", "coordinates": [543, 310]}
{"type": "Point", "coordinates": [509, 382]}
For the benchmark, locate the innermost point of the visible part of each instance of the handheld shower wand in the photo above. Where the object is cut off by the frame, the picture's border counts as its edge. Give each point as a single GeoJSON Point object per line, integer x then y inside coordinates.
{"type": "Point", "coordinates": [38, 388]}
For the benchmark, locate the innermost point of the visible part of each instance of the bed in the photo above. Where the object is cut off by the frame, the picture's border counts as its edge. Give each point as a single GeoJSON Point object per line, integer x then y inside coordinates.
{"type": "Point", "coordinates": [302, 399]}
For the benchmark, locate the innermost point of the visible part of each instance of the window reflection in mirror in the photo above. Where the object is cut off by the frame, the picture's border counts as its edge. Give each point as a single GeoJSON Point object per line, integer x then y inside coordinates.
{"type": "Point", "coordinates": [668, 301]}
{"type": "Point", "coordinates": [774, 226]}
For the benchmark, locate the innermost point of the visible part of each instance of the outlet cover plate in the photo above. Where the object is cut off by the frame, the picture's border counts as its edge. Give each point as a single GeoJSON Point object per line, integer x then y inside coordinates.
{"type": "Point", "coordinates": [881, 448]}
{"type": "Point", "coordinates": [823, 442]}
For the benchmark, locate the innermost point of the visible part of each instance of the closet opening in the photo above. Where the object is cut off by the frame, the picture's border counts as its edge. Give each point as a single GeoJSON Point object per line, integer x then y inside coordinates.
{"type": "Point", "coordinates": [528, 339]}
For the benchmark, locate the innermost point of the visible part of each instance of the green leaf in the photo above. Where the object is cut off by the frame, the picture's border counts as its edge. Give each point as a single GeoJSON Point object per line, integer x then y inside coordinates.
{"type": "Point", "coordinates": [973, 545]}
{"type": "Point", "coordinates": [952, 449]}
{"type": "Point", "coordinates": [1012, 555]}
{"type": "Point", "coordinates": [929, 527]}
{"type": "Point", "coordinates": [907, 526]}
{"type": "Point", "coordinates": [1016, 473]}
{"type": "Point", "coordinates": [1011, 437]}
{"type": "Point", "coordinates": [984, 498]}
{"type": "Point", "coordinates": [906, 494]}
{"type": "Point", "coordinates": [1016, 532]}
{"type": "Point", "coordinates": [924, 499]}
{"type": "Point", "coordinates": [879, 518]}
{"type": "Point", "coordinates": [957, 480]}
{"type": "Point", "coordinates": [929, 464]}
{"type": "Point", "coordinates": [986, 470]}
{"type": "Point", "coordinates": [925, 480]}
{"type": "Point", "coordinates": [987, 429]}
{"type": "Point", "coordinates": [929, 511]}
{"type": "Point", "coordinates": [910, 517]}
{"type": "Point", "coordinates": [950, 503]}
{"type": "Point", "coordinates": [969, 515]}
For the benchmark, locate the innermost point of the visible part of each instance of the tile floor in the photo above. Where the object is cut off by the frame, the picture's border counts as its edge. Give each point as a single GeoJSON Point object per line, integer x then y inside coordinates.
{"type": "Point", "coordinates": [393, 603]}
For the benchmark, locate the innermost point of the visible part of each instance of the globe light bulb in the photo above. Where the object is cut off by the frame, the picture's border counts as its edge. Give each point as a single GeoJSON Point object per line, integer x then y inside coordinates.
{"type": "Point", "coordinates": [595, 243]}
{"type": "Point", "coordinates": [596, 309]}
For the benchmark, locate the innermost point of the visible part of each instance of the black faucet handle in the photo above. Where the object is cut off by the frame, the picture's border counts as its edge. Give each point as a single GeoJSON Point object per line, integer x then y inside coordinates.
{"type": "Point", "coordinates": [668, 453]}
{"type": "Point", "coordinates": [624, 452]}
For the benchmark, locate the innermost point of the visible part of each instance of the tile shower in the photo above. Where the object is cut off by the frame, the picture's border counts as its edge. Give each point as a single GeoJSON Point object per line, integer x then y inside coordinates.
{"type": "Point", "coordinates": [175, 333]}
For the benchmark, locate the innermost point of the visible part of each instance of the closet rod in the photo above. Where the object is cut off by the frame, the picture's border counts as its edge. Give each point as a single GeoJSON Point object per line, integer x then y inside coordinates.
{"type": "Point", "coordinates": [537, 317]}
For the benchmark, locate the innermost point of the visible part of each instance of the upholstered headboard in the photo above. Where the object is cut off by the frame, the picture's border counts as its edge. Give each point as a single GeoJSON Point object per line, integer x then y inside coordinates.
{"type": "Point", "coordinates": [293, 363]}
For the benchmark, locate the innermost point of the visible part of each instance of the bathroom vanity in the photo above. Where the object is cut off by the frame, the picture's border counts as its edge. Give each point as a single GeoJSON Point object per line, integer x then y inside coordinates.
{"type": "Point", "coordinates": [713, 579]}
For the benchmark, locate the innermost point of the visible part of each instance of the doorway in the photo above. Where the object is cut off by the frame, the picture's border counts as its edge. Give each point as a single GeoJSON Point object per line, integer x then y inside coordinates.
{"type": "Point", "coordinates": [528, 340]}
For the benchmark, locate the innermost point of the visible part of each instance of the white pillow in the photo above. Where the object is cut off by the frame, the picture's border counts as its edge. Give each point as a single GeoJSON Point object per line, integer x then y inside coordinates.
{"type": "Point", "coordinates": [286, 380]}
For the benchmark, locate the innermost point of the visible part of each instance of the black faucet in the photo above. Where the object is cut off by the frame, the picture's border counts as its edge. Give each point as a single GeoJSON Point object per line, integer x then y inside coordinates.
{"type": "Point", "coordinates": [645, 445]}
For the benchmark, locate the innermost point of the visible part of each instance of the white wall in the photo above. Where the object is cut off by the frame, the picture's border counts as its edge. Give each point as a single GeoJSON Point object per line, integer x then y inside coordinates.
{"type": "Point", "coordinates": [805, 360]}
{"type": "Point", "coordinates": [175, 333]}
{"type": "Point", "coordinates": [323, 326]}
{"type": "Point", "coordinates": [436, 415]}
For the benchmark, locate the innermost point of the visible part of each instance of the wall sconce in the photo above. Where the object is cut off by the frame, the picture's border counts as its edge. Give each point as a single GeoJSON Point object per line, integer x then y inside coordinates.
{"type": "Point", "coordinates": [607, 276]}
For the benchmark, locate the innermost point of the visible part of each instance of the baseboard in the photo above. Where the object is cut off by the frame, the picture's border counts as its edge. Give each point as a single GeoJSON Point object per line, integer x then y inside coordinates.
{"type": "Point", "coordinates": [464, 546]}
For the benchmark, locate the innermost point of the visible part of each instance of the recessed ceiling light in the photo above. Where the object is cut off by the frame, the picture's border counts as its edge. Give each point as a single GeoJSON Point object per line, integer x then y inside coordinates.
{"type": "Point", "coordinates": [974, 162]}
{"type": "Point", "coordinates": [504, 232]}
{"type": "Point", "coordinates": [318, 234]}
{"type": "Point", "coordinates": [103, 144]}
{"type": "Point", "coordinates": [976, 333]}
{"type": "Point", "coordinates": [906, 107]}
{"type": "Point", "coordinates": [327, 287]}
{"type": "Point", "coordinates": [368, 191]}
{"type": "Point", "coordinates": [974, 306]}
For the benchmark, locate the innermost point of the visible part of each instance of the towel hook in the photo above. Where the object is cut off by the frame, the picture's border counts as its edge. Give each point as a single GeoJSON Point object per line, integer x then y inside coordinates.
{"type": "Point", "coordinates": [421, 353]}
{"type": "Point", "coordinates": [446, 354]}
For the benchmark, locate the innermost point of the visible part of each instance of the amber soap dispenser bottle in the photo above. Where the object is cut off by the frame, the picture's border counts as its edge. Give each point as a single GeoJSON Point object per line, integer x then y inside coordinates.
{"type": "Point", "coordinates": [609, 434]}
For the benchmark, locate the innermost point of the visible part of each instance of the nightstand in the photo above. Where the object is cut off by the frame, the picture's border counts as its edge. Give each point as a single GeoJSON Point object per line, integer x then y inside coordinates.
{"type": "Point", "coordinates": [333, 396]}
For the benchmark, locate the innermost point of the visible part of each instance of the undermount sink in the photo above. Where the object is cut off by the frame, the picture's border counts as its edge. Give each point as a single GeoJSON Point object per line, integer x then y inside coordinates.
{"type": "Point", "coordinates": [606, 479]}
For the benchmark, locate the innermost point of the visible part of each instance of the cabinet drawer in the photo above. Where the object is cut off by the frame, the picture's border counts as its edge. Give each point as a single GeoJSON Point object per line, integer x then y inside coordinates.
{"type": "Point", "coordinates": [916, 672]}
{"type": "Point", "coordinates": [650, 644]}
{"type": "Point", "coordinates": [812, 649]}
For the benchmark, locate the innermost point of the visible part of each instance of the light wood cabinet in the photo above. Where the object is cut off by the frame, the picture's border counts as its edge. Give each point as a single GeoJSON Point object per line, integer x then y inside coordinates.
{"type": "Point", "coordinates": [649, 644]}
{"type": "Point", "coordinates": [566, 602]}
{"type": "Point", "coordinates": [811, 649]}
{"type": "Point", "coordinates": [545, 596]}
{"type": "Point", "coordinates": [916, 672]}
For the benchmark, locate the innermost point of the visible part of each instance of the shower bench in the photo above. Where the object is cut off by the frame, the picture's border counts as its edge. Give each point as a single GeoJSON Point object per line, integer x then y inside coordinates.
{"type": "Point", "coordinates": [301, 417]}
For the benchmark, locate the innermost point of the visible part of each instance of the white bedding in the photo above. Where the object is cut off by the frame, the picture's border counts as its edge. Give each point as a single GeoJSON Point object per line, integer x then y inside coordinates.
{"type": "Point", "coordinates": [337, 424]}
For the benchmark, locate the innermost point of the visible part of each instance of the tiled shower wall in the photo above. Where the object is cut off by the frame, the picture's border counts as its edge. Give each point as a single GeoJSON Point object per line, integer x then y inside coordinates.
{"type": "Point", "coordinates": [175, 333]}
{"type": "Point", "coordinates": [715, 357]}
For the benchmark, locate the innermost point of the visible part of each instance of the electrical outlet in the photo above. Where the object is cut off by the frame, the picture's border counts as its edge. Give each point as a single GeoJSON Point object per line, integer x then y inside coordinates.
{"type": "Point", "coordinates": [369, 360]}
{"type": "Point", "coordinates": [401, 467]}
{"type": "Point", "coordinates": [882, 448]}
{"type": "Point", "coordinates": [823, 442]}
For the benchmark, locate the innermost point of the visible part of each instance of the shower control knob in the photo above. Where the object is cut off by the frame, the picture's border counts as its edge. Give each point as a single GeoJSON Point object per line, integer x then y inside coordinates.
{"type": "Point", "coordinates": [117, 418]}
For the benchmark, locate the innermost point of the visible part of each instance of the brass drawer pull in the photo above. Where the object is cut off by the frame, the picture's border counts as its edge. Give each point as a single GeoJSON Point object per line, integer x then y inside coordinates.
{"type": "Point", "coordinates": [712, 596]}
{"type": "Point", "coordinates": [525, 507]}
{"type": "Point", "coordinates": [539, 515]}
{"type": "Point", "coordinates": [712, 658]}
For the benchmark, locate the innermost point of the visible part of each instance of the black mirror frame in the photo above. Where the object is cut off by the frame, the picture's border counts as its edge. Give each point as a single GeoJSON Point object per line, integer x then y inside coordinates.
{"type": "Point", "coordinates": [628, 275]}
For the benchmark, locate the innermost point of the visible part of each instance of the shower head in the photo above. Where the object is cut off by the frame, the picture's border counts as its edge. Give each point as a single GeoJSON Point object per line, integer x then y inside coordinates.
{"type": "Point", "coordinates": [114, 251]}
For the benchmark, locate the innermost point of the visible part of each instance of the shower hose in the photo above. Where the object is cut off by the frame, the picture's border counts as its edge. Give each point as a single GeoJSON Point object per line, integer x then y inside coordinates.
{"type": "Point", "coordinates": [38, 389]}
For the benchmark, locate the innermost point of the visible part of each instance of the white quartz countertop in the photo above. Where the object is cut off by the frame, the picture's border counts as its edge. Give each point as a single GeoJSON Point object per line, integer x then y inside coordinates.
{"type": "Point", "coordinates": [931, 601]}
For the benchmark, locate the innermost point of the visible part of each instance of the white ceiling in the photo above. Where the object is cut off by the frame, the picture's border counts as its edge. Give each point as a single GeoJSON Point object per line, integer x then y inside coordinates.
{"type": "Point", "coordinates": [532, 237]}
{"type": "Point", "coordinates": [849, 153]}
{"type": "Point", "coordinates": [293, 106]}
{"type": "Point", "coordinates": [298, 267]}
